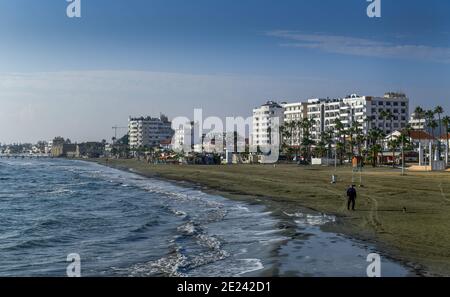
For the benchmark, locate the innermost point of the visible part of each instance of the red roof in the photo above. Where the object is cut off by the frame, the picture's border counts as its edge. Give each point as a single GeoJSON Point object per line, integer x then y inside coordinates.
{"type": "Point", "coordinates": [445, 136]}
{"type": "Point", "coordinates": [419, 135]}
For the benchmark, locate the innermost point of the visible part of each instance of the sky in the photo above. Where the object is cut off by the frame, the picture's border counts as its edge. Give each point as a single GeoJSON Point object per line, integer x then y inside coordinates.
{"type": "Point", "coordinates": [78, 77]}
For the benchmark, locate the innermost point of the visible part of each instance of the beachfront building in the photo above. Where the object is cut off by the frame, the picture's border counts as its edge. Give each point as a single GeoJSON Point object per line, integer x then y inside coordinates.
{"type": "Point", "coordinates": [417, 123]}
{"type": "Point", "coordinates": [263, 120]}
{"type": "Point", "coordinates": [421, 123]}
{"type": "Point", "coordinates": [387, 113]}
{"type": "Point", "coordinates": [323, 113]}
{"type": "Point", "coordinates": [148, 131]}
{"type": "Point", "coordinates": [186, 137]}
{"type": "Point", "coordinates": [48, 147]}
{"type": "Point", "coordinates": [294, 114]}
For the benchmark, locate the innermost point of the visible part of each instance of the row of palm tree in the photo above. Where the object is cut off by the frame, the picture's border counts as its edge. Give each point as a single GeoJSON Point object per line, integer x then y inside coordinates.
{"type": "Point", "coordinates": [352, 140]}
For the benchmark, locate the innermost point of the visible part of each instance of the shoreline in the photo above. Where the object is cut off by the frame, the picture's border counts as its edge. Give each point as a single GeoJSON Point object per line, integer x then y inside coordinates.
{"type": "Point", "coordinates": [278, 209]}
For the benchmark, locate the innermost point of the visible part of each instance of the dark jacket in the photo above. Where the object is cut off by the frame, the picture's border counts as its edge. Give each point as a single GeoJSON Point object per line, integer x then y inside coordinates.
{"type": "Point", "coordinates": [351, 193]}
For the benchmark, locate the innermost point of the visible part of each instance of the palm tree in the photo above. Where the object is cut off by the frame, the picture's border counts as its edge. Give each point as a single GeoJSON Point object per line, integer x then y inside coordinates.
{"type": "Point", "coordinates": [368, 120]}
{"type": "Point", "coordinates": [351, 132]}
{"type": "Point", "coordinates": [374, 136]}
{"type": "Point", "coordinates": [327, 137]}
{"type": "Point", "coordinates": [432, 124]}
{"type": "Point", "coordinates": [385, 115]}
{"type": "Point", "coordinates": [306, 140]}
{"type": "Point", "coordinates": [360, 139]}
{"type": "Point", "coordinates": [405, 141]}
{"type": "Point", "coordinates": [299, 129]}
{"type": "Point", "coordinates": [439, 111]}
{"type": "Point", "coordinates": [289, 131]}
{"type": "Point", "coordinates": [419, 113]}
{"type": "Point", "coordinates": [429, 116]}
{"type": "Point", "coordinates": [285, 134]}
{"type": "Point", "coordinates": [393, 144]}
{"type": "Point", "coordinates": [356, 137]}
{"type": "Point", "coordinates": [446, 123]}
{"type": "Point", "coordinates": [340, 129]}
{"type": "Point", "coordinates": [351, 143]}
{"type": "Point", "coordinates": [391, 118]}
{"type": "Point", "coordinates": [321, 148]}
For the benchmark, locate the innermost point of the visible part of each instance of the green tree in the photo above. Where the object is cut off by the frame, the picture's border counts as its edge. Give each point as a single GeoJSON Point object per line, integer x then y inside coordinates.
{"type": "Point", "coordinates": [386, 115]}
{"type": "Point", "coordinates": [419, 113]}
{"type": "Point", "coordinates": [307, 142]}
{"type": "Point", "coordinates": [321, 148]}
{"type": "Point", "coordinates": [446, 123]}
{"type": "Point", "coordinates": [393, 145]}
{"type": "Point", "coordinates": [340, 145]}
{"type": "Point", "coordinates": [439, 111]}
{"type": "Point", "coordinates": [374, 147]}
{"type": "Point", "coordinates": [327, 138]}
{"type": "Point", "coordinates": [299, 128]}
{"type": "Point", "coordinates": [432, 124]}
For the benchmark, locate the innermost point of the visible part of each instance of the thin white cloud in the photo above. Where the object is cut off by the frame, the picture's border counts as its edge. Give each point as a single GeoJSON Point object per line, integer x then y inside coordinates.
{"type": "Point", "coordinates": [362, 47]}
{"type": "Point", "coordinates": [84, 105]}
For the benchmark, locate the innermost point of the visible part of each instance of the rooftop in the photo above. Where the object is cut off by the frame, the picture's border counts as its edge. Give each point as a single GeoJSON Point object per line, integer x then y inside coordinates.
{"type": "Point", "coordinates": [419, 134]}
{"type": "Point", "coordinates": [162, 118]}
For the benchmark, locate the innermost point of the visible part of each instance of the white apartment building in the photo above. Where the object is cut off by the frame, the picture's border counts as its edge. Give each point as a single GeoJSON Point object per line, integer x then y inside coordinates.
{"type": "Point", "coordinates": [262, 120]}
{"type": "Point", "coordinates": [366, 111]}
{"type": "Point", "coordinates": [48, 147]}
{"type": "Point", "coordinates": [323, 113]}
{"type": "Point", "coordinates": [417, 123]}
{"type": "Point", "coordinates": [295, 113]}
{"type": "Point", "coordinates": [185, 137]}
{"type": "Point", "coordinates": [148, 131]}
{"type": "Point", "coordinates": [422, 124]}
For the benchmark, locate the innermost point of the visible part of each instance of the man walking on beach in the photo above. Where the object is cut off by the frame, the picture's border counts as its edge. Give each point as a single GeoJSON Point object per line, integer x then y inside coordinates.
{"type": "Point", "coordinates": [351, 194]}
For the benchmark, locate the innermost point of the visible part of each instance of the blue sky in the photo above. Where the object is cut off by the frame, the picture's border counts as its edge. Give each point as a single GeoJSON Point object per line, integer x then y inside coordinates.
{"type": "Point", "coordinates": [148, 56]}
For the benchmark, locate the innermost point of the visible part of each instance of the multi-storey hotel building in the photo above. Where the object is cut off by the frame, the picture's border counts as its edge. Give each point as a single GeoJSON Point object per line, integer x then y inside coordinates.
{"type": "Point", "coordinates": [295, 113]}
{"type": "Point", "coordinates": [388, 113]}
{"type": "Point", "coordinates": [148, 131]}
{"type": "Point", "coordinates": [262, 121]}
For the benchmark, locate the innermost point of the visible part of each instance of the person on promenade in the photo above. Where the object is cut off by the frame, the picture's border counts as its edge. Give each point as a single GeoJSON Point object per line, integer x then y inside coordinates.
{"type": "Point", "coordinates": [351, 194]}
